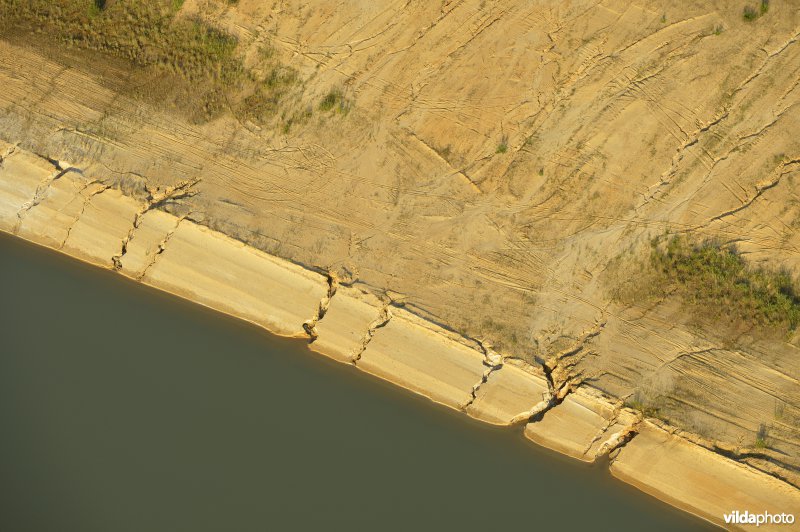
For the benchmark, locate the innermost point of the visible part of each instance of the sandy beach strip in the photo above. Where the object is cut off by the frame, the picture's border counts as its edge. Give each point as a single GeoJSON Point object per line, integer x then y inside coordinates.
{"type": "Point", "coordinates": [699, 481]}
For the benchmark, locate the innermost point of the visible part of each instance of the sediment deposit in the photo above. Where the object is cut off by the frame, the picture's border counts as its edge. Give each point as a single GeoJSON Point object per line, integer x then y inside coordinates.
{"type": "Point", "coordinates": [680, 473]}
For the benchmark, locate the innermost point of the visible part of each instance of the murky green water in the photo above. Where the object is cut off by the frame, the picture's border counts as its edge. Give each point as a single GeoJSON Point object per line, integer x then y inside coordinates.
{"type": "Point", "coordinates": [123, 409]}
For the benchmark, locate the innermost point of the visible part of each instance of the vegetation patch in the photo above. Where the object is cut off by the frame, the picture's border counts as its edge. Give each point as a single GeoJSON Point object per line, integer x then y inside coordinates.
{"type": "Point", "coordinates": [503, 146]}
{"type": "Point", "coordinates": [644, 406]}
{"type": "Point", "coordinates": [175, 60]}
{"type": "Point", "coordinates": [762, 441]}
{"type": "Point", "coordinates": [751, 13]}
{"type": "Point", "coordinates": [716, 282]}
{"type": "Point", "coordinates": [336, 101]}
{"type": "Point", "coordinates": [144, 33]}
{"type": "Point", "coordinates": [270, 87]}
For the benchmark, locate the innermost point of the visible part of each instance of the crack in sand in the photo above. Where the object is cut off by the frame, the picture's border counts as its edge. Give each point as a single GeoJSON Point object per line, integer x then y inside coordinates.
{"type": "Point", "coordinates": [41, 190]}
{"type": "Point", "coordinates": [384, 317]}
{"type": "Point", "coordinates": [86, 202]}
{"type": "Point", "coordinates": [493, 362]}
{"type": "Point", "coordinates": [618, 440]}
{"type": "Point", "coordinates": [161, 247]}
{"type": "Point", "coordinates": [561, 380]}
{"type": "Point", "coordinates": [310, 326]}
{"type": "Point", "coordinates": [156, 197]}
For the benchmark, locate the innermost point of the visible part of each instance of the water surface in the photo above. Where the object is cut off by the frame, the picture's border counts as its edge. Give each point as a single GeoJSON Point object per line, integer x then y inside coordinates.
{"type": "Point", "coordinates": [125, 409]}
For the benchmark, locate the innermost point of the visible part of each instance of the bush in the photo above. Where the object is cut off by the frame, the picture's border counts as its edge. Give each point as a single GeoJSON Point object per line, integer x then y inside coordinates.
{"type": "Point", "coordinates": [646, 409]}
{"type": "Point", "coordinates": [334, 100]}
{"type": "Point", "coordinates": [717, 282]}
{"type": "Point", "coordinates": [268, 96]}
{"type": "Point", "coordinates": [503, 146]}
{"type": "Point", "coordinates": [751, 13]}
{"type": "Point", "coordinates": [761, 437]}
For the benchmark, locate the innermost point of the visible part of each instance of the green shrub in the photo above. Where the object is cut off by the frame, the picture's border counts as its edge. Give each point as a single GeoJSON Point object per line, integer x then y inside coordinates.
{"type": "Point", "coordinates": [334, 100]}
{"type": "Point", "coordinates": [717, 282]}
{"type": "Point", "coordinates": [646, 409]}
{"type": "Point", "coordinates": [761, 437]}
{"type": "Point", "coordinates": [503, 146]}
{"type": "Point", "coordinates": [174, 61]}
{"type": "Point", "coordinates": [267, 98]}
{"type": "Point", "coordinates": [751, 13]}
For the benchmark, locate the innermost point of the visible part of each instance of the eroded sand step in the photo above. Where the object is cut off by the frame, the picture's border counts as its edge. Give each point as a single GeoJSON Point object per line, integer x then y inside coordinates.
{"type": "Point", "coordinates": [419, 356]}
{"type": "Point", "coordinates": [21, 173]}
{"type": "Point", "coordinates": [91, 221]}
{"type": "Point", "coordinates": [579, 426]}
{"type": "Point", "coordinates": [342, 332]}
{"type": "Point", "coordinates": [510, 391]}
{"type": "Point", "coordinates": [222, 273]}
{"type": "Point", "coordinates": [700, 481]}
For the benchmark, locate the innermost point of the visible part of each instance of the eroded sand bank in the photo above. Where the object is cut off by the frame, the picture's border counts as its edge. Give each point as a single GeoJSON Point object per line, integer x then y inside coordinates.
{"type": "Point", "coordinates": [697, 480]}
{"type": "Point", "coordinates": [56, 206]}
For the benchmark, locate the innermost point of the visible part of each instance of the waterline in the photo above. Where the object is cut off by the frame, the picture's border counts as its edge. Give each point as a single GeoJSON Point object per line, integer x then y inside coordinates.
{"type": "Point", "coordinates": [124, 408]}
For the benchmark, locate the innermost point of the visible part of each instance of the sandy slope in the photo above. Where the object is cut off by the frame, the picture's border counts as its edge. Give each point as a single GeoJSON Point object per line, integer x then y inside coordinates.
{"type": "Point", "coordinates": [498, 158]}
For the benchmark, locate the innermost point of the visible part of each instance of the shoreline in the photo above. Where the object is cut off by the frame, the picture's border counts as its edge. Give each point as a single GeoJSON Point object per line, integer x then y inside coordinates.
{"type": "Point", "coordinates": [60, 209]}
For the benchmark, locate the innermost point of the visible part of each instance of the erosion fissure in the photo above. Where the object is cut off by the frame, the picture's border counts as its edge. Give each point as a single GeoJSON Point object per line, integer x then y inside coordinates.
{"type": "Point", "coordinates": [161, 247]}
{"type": "Point", "coordinates": [41, 190]}
{"type": "Point", "coordinates": [384, 317]}
{"type": "Point", "coordinates": [493, 361]}
{"type": "Point", "coordinates": [156, 198]}
{"type": "Point", "coordinates": [310, 326]}
{"type": "Point", "coordinates": [86, 202]}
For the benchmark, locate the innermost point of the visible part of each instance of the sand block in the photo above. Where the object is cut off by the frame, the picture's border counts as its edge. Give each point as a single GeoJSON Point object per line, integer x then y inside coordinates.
{"type": "Point", "coordinates": [698, 480]}
{"type": "Point", "coordinates": [21, 173]}
{"type": "Point", "coordinates": [222, 273]}
{"type": "Point", "coordinates": [98, 234]}
{"type": "Point", "coordinates": [49, 222]}
{"type": "Point", "coordinates": [424, 359]}
{"type": "Point", "coordinates": [578, 426]}
{"type": "Point", "coordinates": [508, 392]}
{"type": "Point", "coordinates": [342, 330]}
{"type": "Point", "coordinates": [141, 251]}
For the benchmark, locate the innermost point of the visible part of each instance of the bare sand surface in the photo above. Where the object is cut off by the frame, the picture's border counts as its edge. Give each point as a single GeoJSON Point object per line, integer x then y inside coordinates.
{"type": "Point", "coordinates": [348, 323]}
{"type": "Point", "coordinates": [579, 426]}
{"type": "Point", "coordinates": [419, 356]}
{"type": "Point", "coordinates": [507, 393]}
{"type": "Point", "coordinates": [700, 481]}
